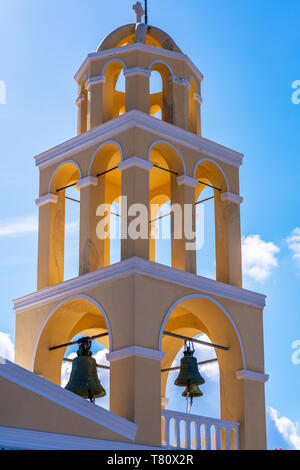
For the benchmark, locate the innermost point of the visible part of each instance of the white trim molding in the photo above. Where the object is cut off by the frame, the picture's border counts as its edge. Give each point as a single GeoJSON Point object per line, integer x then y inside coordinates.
{"type": "Point", "coordinates": [39, 440]}
{"type": "Point", "coordinates": [143, 267]}
{"type": "Point", "coordinates": [187, 181]}
{"type": "Point", "coordinates": [198, 98]}
{"type": "Point", "coordinates": [87, 181]}
{"type": "Point", "coordinates": [231, 197]}
{"type": "Point", "coordinates": [67, 400]}
{"type": "Point", "coordinates": [135, 162]}
{"type": "Point", "coordinates": [80, 98]}
{"type": "Point", "coordinates": [47, 199]}
{"type": "Point", "coordinates": [94, 81]}
{"type": "Point", "coordinates": [251, 375]}
{"type": "Point", "coordinates": [128, 72]}
{"type": "Point", "coordinates": [180, 81]}
{"type": "Point", "coordinates": [136, 351]}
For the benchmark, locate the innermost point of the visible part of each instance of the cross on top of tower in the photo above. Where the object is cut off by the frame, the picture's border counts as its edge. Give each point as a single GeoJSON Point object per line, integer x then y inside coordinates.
{"type": "Point", "coordinates": [139, 11]}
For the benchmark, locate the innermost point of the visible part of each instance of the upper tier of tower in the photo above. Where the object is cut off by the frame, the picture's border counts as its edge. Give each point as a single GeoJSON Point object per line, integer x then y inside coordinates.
{"type": "Point", "coordinates": [137, 51]}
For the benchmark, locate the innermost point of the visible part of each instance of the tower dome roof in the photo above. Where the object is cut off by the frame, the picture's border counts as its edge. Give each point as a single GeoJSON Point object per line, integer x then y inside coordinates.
{"type": "Point", "coordinates": [132, 33]}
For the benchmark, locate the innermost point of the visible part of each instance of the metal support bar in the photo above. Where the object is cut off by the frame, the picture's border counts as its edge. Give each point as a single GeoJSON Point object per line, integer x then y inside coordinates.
{"type": "Point", "coordinates": [107, 171]}
{"type": "Point", "coordinates": [201, 363]}
{"type": "Point", "coordinates": [204, 200]}
{"type": "Point", "coordinates": [210, 185]}
{"type": "Point", "coordinates": [198, 341]}
{"type": "Point", "coordinates": [166, 169]}
{"type": "Point", "coordinates": [146, 12]}
{"type": "Point", "coordinates": [114, 213]}
{"type": "Point", "coordinates": [71, 199]}
{"type": "Point", "coordinates": [76, 342]}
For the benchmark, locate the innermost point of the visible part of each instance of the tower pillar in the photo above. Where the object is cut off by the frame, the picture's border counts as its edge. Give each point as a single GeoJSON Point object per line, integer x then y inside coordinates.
{"type": "Point", "coordinates": [94, 87]}
{"type": "Point", "coordinates": [183, 223]}
{"type": "Point", "coordinates": [81, 103]}
{"type": "Point", "coordinates": [51, 239]}
{"type": "Point", "coordinates": [135, 388]}
{"type": "Point", "coordinates": [137, 89]}
{"type": "Point", "coordinates": [228, 238]}
{"type": "Point", "coordinates": [135, 208]}
{"type": "Point", "coordinates": [180, 101]}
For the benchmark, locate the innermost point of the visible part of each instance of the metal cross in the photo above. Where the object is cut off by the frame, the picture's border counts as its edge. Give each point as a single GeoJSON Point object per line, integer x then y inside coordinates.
{"type": "Point", "coordinates": [139, 11]}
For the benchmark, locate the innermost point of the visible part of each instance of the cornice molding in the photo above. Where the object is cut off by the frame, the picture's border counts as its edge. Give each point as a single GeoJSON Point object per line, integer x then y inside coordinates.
{"type": "Point", "coordinates": [145, 268]}
{"type": "Point", "coordinates": [136, 351]}
{"type": "Point", "coordinates": [66, 399]}
{"type": "Point", "coordinates": [198, 98]}
{"type": "Point", "coordinates": [47, 199]}
{"type": "Point", "coordinates": [119, 51]}
{"type": "Point", "coordinates": [94, 81]}
{"type": "Point", "coordinates": [251, 375]}
{"type": "Point", "coordinates": [180, 81]}
{"type": "Point", "coordinates": [135, 162]}
{"type": "Point", "coordinates": [231, 197]}
{"type": "Point", "coordinates": [137, 119]}
{"type": "Point", "coordinates": [136, 71]}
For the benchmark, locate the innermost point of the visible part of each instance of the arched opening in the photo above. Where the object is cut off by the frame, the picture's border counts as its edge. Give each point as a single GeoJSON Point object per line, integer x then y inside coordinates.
{"type": "Point", "coordinates": [107, 199]}
{"type": "Point", "coordinates": [65, 248]}
{"type": "Point", "coordinates": [212, 182]}
{"type": "Point", "coordinates": [80, 315]}
{"type": "Point", "coordinates": [161, 99]}
{"type": "Point", "coordinates": [198, 316]}
{"type": "Point", "coordinates": [113, 90]}
{"type": "Point", "coordinates": [167, 164]}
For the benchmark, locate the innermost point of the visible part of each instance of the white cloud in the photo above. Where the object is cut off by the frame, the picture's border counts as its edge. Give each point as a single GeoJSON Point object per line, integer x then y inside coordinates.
{"type": "Point", "coordinates": [259, 257]}
{"type": "Point", "coordinates": [7, 349]}
{"type": "Point", "coordinates": [289, 430]}
{"type": "Point", "coordinates": [293, 242]}
{"type": "Point", "coordinates": [18, 226]}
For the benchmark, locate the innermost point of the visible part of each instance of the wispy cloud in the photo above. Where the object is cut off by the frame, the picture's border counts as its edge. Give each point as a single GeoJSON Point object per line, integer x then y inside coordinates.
{"type": "Point", "coordinates": [289, 430]}
{"type": "Point", "coordinates": [259, 257]}
{"type": "Point", "coordinates": [293, 241]}
{"type": "Point", "coordinates": [18, 226]}
{"type": "Point", "coordinates": [7, 349]}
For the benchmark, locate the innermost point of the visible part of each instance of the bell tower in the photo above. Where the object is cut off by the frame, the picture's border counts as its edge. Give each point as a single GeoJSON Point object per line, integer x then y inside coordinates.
{"type": "Point", "coordinates": [125, 154]}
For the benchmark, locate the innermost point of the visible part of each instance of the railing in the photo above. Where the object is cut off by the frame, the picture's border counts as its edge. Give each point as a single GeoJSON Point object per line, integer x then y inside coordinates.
{"type": "Point", "coordinates": [185, 431]}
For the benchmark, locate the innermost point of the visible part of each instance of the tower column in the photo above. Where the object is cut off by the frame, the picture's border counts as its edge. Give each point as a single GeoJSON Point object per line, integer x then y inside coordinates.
{"type": "Point", "coordinates": [183, 223]}
{"type": "Point", "coordinates": [92, 248]}
{"type": "Point", "coordinates": [135, 390]}
{"type": "Point", "coordinates": [135, 207]}
{"type": "Point", "coordinates": [81, 103]}
{"type": "Point", "coordinates": [137, 89]}
{"type": "Point", "coordinates": [198, 103]}
{"type": "Point", "coordinates": [228, 238]}
{"type": "Point", "coordinates": [94, 87]}
{"type": "Point", "coordinates": [51, 239]}
{"type": "Point", "coordinates": [181, 88]}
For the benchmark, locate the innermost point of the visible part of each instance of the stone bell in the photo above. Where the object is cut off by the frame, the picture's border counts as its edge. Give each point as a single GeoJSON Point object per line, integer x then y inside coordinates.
{"type": "Point", "coordinates": [194, 392]}
{"type": "Point", "coordinates": [84, 379]}
{"type": "Point", "coordinates": [189, 373]}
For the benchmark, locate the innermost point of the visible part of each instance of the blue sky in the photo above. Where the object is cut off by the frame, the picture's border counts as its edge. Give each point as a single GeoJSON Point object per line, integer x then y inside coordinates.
{"type": "Point", "coordinates": [248, 53]}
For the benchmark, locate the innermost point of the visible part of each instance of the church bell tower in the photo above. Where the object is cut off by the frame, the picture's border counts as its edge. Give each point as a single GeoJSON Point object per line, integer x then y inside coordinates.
{"type": "Point", "coordinates": [139, 150]}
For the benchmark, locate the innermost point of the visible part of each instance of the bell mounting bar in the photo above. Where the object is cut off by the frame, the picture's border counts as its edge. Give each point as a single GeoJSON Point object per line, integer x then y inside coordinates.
{"type": "Point", "coordinates": [198, 341]}
{"type": "Point", "coordinates": [204, 200]}
{"type": "Point", "coordinates": [210, 186]}
{"type": "Point", "coordinates": [76, 342]}
{"type": "Point", "coordinates": [166, 169]}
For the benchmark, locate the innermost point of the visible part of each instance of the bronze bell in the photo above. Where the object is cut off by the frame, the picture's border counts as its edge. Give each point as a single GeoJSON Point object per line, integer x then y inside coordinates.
{"type": "Point", "coordinates": [84, 379]}
{"type": "Point", "coordinates": [189, 373]}
{"type": "Point", "coordinates": [194, 392]}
